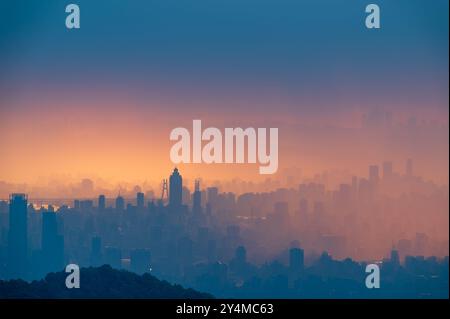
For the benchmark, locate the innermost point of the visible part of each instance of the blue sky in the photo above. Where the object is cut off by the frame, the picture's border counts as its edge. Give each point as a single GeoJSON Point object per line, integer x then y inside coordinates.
{"type": "Point", "coordinates": [223, 48]}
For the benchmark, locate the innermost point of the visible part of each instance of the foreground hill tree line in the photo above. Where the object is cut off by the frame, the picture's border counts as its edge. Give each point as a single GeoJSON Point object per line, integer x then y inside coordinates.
{"type": "Point", "coordinates": [101, 282]}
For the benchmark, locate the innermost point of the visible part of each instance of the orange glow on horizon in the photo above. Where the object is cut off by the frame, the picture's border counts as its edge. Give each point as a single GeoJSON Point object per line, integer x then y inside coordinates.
{"type": "Point", "coordinates": [117, 141]}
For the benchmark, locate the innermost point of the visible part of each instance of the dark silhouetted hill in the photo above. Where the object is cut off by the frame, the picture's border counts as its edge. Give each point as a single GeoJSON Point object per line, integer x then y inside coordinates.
{"type": "Point", "coordinates": [101, 282]}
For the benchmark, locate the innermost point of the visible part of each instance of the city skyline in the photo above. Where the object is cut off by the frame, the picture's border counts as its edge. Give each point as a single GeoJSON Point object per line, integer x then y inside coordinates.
{"type": "Point", "coordinates": [308, 245]}
{"type": "Point", "coordinates": [133, 146]}
{"type": "Point", "coordinates": [69, 187]}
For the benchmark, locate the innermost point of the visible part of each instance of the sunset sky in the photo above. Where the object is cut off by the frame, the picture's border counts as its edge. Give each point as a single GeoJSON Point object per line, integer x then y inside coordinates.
{"type": "Point", "coordinates": [102, 100]}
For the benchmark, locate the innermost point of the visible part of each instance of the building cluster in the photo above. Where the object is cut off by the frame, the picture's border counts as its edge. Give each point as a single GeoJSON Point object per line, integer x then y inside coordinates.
{"type": "Point", "coordinates": [273, 244]}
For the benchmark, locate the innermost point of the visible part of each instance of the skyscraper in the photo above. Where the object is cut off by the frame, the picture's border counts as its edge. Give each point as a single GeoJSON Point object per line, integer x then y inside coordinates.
{"type": "Point", "coordinates": [175, 188]}
{"type": "Point", "coordinates": [197, 199]}
{"type": "Point", "coordinates": [101, 202]}
{"type": "Point", "coordinates": [140, 201]}
{"type": "Point", "coordinates": [17, 236]}
{"type": "Point", "coordinates": [120, 203]}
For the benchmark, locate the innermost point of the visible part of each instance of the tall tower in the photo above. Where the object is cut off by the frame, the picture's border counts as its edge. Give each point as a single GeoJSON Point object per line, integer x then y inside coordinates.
{"type": "Point", "coordinates": [140, 201]}
{"type": "Point", "coordinates": [17, 237]}
{"type": "Point", "coordinates": [175, 188]}
{"type": "Point", "coordinates": [197, 199]}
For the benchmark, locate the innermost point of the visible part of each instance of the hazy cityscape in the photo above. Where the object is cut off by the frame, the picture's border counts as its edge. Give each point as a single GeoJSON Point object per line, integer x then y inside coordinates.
{"type": "Point", "coordinates": [114, 152]}
{"type": "Point", "coordinates": [304, 241]}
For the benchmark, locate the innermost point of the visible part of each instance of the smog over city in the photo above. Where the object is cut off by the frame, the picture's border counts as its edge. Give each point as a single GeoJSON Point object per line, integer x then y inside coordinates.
{"type": "Point", "coordinates": [226, 149]}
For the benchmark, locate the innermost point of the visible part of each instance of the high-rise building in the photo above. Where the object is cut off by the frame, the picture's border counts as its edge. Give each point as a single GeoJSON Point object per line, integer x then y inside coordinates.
{"type": "Point", "coordinates": [140, 201]}
{"type": "Point", "coordinates": [52, 244]}
{"type": "Point", "coordinates": [120, 203]}
{"type": "Point", "coordinates": [17, 236]}
{"type": "Point", "coordinates": [86, 205]}
{"type": "Point", "coordinates": [197, 199]}
{"type": "Point", "coordinates": [101, 202]}
{"type": "Point", "coordinates": [175, 189]}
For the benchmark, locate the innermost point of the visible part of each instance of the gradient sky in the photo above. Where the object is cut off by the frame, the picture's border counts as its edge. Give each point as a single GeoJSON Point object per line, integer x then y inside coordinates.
{"type": "Point", "coordinates": [103, 99]}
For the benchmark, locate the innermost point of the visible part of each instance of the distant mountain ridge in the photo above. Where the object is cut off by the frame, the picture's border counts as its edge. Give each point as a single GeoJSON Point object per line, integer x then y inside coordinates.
{"type": "Point", "coordinates": [100, 282]}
